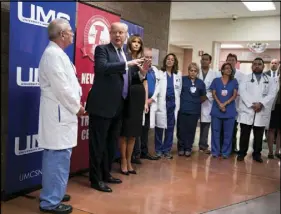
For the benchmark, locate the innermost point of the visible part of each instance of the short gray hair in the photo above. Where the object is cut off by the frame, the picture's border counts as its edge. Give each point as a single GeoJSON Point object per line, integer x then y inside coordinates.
{"type": "Point", "coordinates": [56, 26]}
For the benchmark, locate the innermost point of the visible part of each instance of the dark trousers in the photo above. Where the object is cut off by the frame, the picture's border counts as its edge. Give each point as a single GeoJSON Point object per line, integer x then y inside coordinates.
{"type": "Point", "coordinates": [141, 145]}
{"type": "Point", "coordinates": [186, 128]}
{"type": "Point", "coordinates": [234, 137]}
{"type": "Point", "coordinates": [245, 137]}
{"type": "Point", "coordinates": [103, 139]}
{"type": "Point", "coordinates": [204, 133]}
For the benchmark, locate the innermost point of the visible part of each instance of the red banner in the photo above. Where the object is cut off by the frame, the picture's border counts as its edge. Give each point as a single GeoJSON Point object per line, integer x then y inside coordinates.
{"type": "Point", "coordinates": [92, 30]}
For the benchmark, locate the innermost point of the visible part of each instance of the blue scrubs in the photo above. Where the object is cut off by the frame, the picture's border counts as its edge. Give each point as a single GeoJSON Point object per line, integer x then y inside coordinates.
{"type": "Point", "coordinates": [189, 113]}
{"type": "Point", "coordinates": [225, 119]}
{"type": "Point", "coordinates": [55, 173]}
{"type": "Point", "coordinates": [166, 147]}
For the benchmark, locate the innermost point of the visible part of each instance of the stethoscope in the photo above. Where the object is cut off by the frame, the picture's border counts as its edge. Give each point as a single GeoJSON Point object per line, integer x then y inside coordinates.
{"type": "Point", "coordinates": [265, 78]}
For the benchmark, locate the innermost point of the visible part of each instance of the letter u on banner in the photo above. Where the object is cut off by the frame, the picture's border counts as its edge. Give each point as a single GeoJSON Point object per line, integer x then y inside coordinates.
{"type": "Point", "coordinates": [28, 40]}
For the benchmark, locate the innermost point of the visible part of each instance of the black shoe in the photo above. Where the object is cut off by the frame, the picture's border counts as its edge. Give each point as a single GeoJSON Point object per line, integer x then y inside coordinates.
{"type": "Point", "coordinates": [65, 198]}
{"type": "Point", "coordinates": [240, 158]}
{"type": "Point", "coordinates": [278, 156]}
{"type": "Point", "coordinates": [270, 156]}
{"type": "Point", "coordinates": [113, 180]}
{"type": "Point", "coordinates": [136, 161]}
{"type": "Point", "coordinates": [101, 186]}
{"type": "Point", "coordinates": [258, 159]}
{"type": "Point", "coordinates": [124, 173]}
{"type": "Point", "coordinates": [61, 209]}
{"type": "Point", "coordinates": [132, 172]}
{"type": "Point", "coordinates": [149, 157]}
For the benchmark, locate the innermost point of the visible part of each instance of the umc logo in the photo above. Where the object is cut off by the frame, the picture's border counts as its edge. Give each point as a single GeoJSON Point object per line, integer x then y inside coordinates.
{"type": "Point", "coordinates": [37, 15]}
{"type": "Point", "coordinates": [31, 145]}
{"type": "Point", "coordinates": [33, 78]}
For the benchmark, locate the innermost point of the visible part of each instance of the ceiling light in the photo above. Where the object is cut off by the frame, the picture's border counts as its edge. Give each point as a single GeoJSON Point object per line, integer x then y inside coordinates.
{"type": "Point", "coordinates": [259, 6]}
{"type": "Point", "coordinates": [231, 46]}
{"type": "Point", "coordinates": [257, 47]}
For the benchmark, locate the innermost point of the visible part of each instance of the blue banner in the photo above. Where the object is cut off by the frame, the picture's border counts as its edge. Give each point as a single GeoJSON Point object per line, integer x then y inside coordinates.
{"type": "Point", "coordinates": [28, 40]}
{"type": "Point", "coordinates": [132, 29]}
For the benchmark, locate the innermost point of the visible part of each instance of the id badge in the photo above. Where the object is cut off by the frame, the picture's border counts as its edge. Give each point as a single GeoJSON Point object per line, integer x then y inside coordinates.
{"type": "Point", "coordinates": [192, 89]}
{"type": "Point", "coordinates": [265, 89]}
{"type": "Point", "coordinates": [223, 93]}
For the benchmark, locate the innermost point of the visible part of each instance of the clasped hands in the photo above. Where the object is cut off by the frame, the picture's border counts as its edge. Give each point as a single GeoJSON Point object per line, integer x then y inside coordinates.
{"type": "Point", "coordinates": [222, 106]}
{"type": "Point", "coordinates": [257, 107]}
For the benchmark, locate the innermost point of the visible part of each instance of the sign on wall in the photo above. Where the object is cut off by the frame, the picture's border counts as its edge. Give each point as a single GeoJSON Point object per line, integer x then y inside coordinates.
{"type": "Point", "coordinates": [28, 39]}
{"type": "Point", "coordinates": [92, 30]}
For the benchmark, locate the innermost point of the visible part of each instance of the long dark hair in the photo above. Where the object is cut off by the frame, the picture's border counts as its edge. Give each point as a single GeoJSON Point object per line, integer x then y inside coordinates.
{"type": "Point", "coordinates": [175, 67]}
{"type": "Point", "coordinates": [140, 53]}
{"type": "Point", "coordinates": [232, 70]}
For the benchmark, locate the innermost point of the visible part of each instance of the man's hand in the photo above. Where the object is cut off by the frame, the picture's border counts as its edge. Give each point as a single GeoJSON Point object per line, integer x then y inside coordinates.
{"type": "Point", "coordinates": [81, 111]}
{"type": "Point", "coordinates": [149, 101]}
{"type": "Point", "coordinates": [135, 62]}
{"type": "Point", "coordinates": [257, 107]}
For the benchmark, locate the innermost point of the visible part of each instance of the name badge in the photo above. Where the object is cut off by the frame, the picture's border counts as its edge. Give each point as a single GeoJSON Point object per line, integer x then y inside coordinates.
{"type": "Point", "coordinates": [192, 89]}
{"type": "Point", "coordinates": [265, 89]}
{"type": "Point", "coordinates": [223, 93]}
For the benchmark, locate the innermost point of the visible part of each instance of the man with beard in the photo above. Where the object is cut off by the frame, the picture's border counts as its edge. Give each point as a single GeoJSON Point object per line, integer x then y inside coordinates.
{"type": "Point", "coordinates": [257, 93]}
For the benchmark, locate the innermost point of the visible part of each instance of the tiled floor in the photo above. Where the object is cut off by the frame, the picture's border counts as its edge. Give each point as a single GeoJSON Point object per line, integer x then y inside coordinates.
{"type": "Point", "coordinates": [180, 186]}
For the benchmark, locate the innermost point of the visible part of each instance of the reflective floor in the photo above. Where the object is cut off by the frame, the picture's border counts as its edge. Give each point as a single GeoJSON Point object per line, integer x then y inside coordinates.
{"type": "Point", "coordinates": [199, 184]}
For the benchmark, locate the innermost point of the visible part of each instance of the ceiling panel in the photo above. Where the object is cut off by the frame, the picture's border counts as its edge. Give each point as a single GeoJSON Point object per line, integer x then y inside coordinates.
{"type": "Point", "coordinates": [205, 10]}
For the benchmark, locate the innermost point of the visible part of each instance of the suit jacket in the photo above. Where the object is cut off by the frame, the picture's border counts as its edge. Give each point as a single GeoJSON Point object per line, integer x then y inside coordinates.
{"type": "Point", "coordinates": [105, 96]}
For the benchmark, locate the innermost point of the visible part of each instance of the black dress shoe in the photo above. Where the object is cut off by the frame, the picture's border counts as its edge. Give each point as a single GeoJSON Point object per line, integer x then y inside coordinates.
{"type": "Point", "coordinates": [65, 198]}
{"type": "Point", "coordinates": [258, 159]}
{"type": "Point", "coordinates": [132, 172]}
{"type": "Point", "coordinates": [61, 209]}
{"type": "Point", "coordinates": [149, 157]}
{"type": "Point", "coordinates": [113, 180]}
{"type": "Point", "coordinates": [101, 186]}
{"type": "Point", "coordinates": [124, 173]}
{"type": "Point", "coordinates": [136, 161]}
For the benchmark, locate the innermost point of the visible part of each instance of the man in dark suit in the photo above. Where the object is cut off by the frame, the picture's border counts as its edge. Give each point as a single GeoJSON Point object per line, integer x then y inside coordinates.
{"type": "Point", "coordinates": [105, 104]}
{"type": "Point", "coordinates": [273, 72]}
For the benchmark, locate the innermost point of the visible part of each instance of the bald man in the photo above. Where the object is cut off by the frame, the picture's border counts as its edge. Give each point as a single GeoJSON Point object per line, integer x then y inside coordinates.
{"type": "Point", "coordinates": [105, 105]}
{"type": "Point", "coordinates": [274, 65]}
{"type": "Point", "coordinates": [273, 72]}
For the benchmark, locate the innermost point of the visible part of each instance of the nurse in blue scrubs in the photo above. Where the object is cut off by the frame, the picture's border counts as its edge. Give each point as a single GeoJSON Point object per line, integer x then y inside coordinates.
{"type": "Point", "coordinates": [223, 111]}
{"type": "Point", "coordinates": [192, 95]}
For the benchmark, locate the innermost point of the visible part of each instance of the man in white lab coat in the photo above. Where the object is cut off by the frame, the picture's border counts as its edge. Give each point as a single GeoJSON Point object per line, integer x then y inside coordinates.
{"type": "Point", "coordinates": [257, 93]}
{"type": "Point", "coordinates": [59, 108]}
{"type": "Point", "coordinates": [207, 75]}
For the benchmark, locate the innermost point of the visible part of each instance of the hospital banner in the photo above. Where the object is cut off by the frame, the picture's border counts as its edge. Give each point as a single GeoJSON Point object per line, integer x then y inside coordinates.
{"type": "Point", "coordinates": [92, 29]}
{"type": "Point", "coordinates": [28, 39]}
{"type": "Point", "coordinates": [132, 29]}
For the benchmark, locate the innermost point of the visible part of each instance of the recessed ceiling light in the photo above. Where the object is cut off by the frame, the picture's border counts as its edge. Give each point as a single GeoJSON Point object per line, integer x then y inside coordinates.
{"type": "Point", "coordinates": [259, 6]}
{"type": "Point", "coordinates": [231, 46]}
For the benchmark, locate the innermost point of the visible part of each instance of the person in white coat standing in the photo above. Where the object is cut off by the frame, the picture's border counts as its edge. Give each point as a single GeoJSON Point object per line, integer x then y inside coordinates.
{"type": "Point", "coordinates": [167, 97]}
{"type": "Point", "coordinates": [257, 93]}
{"type": "Point", "coordinates": [58, 122]}
{"type": "Point", "coordinates": [207, 75]}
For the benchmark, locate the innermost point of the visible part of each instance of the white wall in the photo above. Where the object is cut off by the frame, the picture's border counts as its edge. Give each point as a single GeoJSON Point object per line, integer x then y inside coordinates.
{"type": "Point", "coordinates": [202, 33]}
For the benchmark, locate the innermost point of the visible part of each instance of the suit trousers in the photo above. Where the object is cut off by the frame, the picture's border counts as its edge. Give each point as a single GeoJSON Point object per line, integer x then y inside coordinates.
{"type": "Point", "coordinates": [103, 140]}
